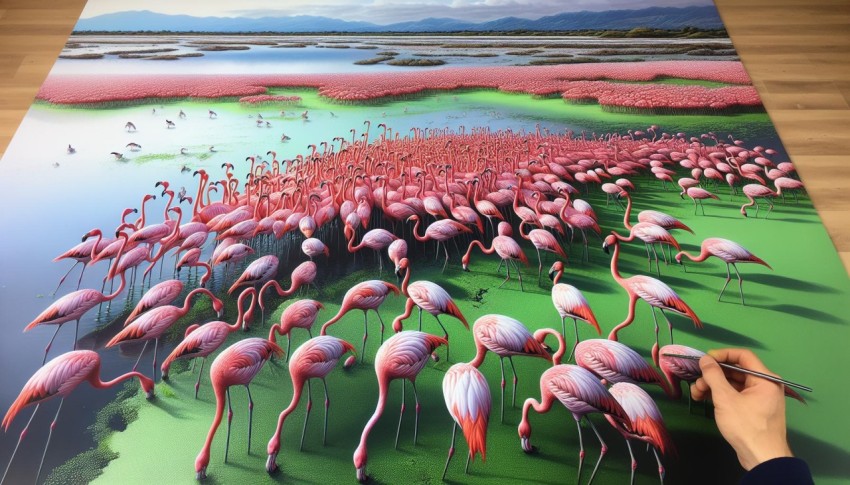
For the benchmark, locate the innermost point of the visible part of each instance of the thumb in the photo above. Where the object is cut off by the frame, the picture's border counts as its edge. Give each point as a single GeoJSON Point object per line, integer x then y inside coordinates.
{"type": "Point", "coordinates": [713, 376]}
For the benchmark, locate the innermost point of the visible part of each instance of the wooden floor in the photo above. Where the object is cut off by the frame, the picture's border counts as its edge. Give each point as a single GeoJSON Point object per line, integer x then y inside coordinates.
{"type": "Point", "coordinates": [796, 51]}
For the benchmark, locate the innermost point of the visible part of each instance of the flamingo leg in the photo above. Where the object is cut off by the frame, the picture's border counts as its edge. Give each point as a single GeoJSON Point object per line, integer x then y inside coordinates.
{"type": "Point", "coordinates": [770, 208]}
{"type": "Point", "coordinates": [575, 325]}
{"type": "Point", "coordinates": [418, 409]}
{"type": "Point", "coordinates": [740, 282]}
{"type": "Point", "coordinates": [657, 268]}
{"type": "Point", "coordinates": [451, 450]}
{"type": "Point", "coordinates": [519, 275]}
{"type": "Point", "coordinates": [502, 366]}
{"type": "Point", "coordinates": [508, 270]}
{"type": "Point", "coordinates": [634, 462]}
{"type": "Point", "coordinates": [50, 344]}
{"type": "Point", "coordinates": [516, 379]}
{"type": "Point", "coordinates": [140, 355]}
{"type": "Point", "coordinates": [155, 348]}
{"type": "Point", "coordinates": [198, 384]}
{"type": "Point", "coordinates": [250, 416]}
{"type": "Point", "coordinates": [669, 325]}
{"type": "Point", "coordinates": [602, 451]}
{"type": "Point", "coordinates": [62, 280]}
{"type": "Point", "coordinates": [80, 279]}
{"type": "Point", "coordinates": [20, 438]}
{"type": "Point", "coordinates": [648, 256]}
{"type": "Point", "coordinates": [655, 347]}
{"type": "Point", "coordinates": [382, 324]}
{"type": "Point", "coordinates": [446, 250]}
{"type": "Point", "coordinates": [728, 279]}
{"type": "Point", "coordinates": [327, 411]}
{"type": "Point", "coordinates": [420, 318]}
{"type": "Point", "coordinates": [539, 266]}
{"type": "Point", "coordinates": [445, 333]}
{"type": "Point", "coordinates": [581, 450]}
{"type": "Point", "coordinates": [307, 414]}
{"type": "Point", "coordinates": [229, 420]}
{"type": "Point", "coordinates": [400, 414]}
{"type": "Point", "coordinates": [49, 435]}
{"type": "Point", "coordinates": [365, 336]}
{"type": "Point", "coordinates": [288, 345]}
{"type": "Point", "coordinates": [660, 466]}
{"type": "Point", "coordinates": [466, 468]}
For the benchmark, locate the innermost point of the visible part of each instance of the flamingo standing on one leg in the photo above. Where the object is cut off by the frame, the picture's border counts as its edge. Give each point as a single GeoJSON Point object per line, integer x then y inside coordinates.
{"type": "Point", "coordinates": [647, 425]}
{"type": "Point", "coordinates": [76, 304]}
{"type": "Point", "coordinates": [402, 356]}
{"type": "Point", "coordinates": [300, 314]}
{"type": "Point", "coordinates": [613, 362]}
{"type": "Point", "coordinates": [368, 295]}
{"type": "Point", "coordinates": [652, 291]}
{"type": "Point", "coordinates": [428, 296]}
{"type": "Point", "coordinates": [581, 393]}
{"type": "Point", "coordinates": [570, 302]}
{"type": "Point", "coordinates": [468, 400]}
{"type": "Point", "coordinates": [314, 359]}
{"type": "Point", "coordinates": [202, 340]}
{"type": "Point", "coordinates": [542, 239]}
{"type": "Point", "coordinates": [303, 275]}
{"type": "Point", "coordinates": [60, 377]}
{"type": "Point", "coordinates": [235, 366]}
{"type": "Point", "coordinates": [154, 323]}
{"type": "Point", "coordinates": [730, 253]}
{"type": "Point", "coordinates": [506, 248]}
{"type": "Point", "coordinates": [506, 337]}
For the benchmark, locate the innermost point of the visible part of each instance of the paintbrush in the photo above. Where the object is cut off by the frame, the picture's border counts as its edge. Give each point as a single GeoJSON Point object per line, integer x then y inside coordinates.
{"type": "Point", "coordinates": [746, 371]}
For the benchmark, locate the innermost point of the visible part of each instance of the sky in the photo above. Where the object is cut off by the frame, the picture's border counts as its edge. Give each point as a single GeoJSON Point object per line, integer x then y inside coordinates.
{"type": "Point", "coordinates": [377, 11]}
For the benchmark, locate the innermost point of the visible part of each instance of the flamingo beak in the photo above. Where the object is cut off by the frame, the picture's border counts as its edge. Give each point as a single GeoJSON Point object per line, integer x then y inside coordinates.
{"type": "Point", "coordinates": [551, 275]}
{"type": "Point", "coordinates": [605, 248]}
{"type": "Point", "coordinates": [361, 474]}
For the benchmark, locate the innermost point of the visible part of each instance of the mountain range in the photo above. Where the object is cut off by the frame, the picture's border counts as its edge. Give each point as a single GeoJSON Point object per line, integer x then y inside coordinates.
{"type": "Point", "coordinates": [705, 17]}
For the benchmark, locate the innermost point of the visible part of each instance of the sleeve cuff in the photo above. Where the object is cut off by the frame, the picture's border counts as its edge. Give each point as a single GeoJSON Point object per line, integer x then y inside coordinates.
{"type": "Point", "coordinates": [779, 471]}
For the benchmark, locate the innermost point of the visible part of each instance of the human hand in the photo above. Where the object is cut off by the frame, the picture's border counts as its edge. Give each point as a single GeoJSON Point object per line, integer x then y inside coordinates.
{"type": "Point", "coordinates": [749, 410]}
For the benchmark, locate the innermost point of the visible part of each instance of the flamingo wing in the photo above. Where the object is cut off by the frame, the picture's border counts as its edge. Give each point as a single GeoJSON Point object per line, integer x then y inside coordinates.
{"type": "Point", "coordinates": [645, 417]}
{"type": "Point", "coordinates": [580, 391]}
{"type": "Point", "coordinates": [468, 400]}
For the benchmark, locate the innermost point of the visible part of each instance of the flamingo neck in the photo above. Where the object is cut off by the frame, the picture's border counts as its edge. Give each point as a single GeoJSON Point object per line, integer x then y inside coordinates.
{"type": "Point", "coordinates": [702, 256]}
{"type": "Point", "coordinates": [360, 454]}
{"type": "Point", "coordinates": [615, 269]}
{"type": "Point", "coordinates": [405, 282]}
{"type": "Point", "coordinates": [99, 384]}
{"type": "Point", "coordinates": [241, 311]}
{"type": "Point", "coordinates": [416, 232]}
{"type": "Point", "coordinates": [204, 455]}
{"type": "Point", "coordinates": [187, 303]}
{"type": "Point", "coordinates": [96, 243]}
{"type": "Point", "coordinates": [196, 208]}
{"type": "Point", "coordinates": [168, 204]}
{"type": "Point", "coordinates": [524, 235]}
{"type": "Point", "coordinates": [628, 213]}
{"type": "Point", "coordinates": [480, 354]}
{"type": "Point", "coordinates": [558, 275]}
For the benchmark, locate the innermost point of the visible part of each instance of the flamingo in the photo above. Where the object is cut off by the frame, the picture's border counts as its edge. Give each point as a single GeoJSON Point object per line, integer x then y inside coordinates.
{"type": "Point", "coordinates": [160, 294]}
{"type": "Point", "coordinates": [506, 248]}
{"type": "Point", "coordinates": [652, 291]}
{"type": "Point", "coordinates": [655, 217]}
{"type": "Point", "coordinates": [428, 296]}
{"type": "Point", "coordinates": [582, 394]}
{"type": "Point", "coordinates": [300, 314]}
{"type": "Point", "coordinates": [367, 295]}
{"type": "Point", "coordinates": [647, 425]}
{"type": "Point", "coordinates": [757, 191]}
{"type": "Point", "coordinates": [375, 239]}
{"type": "Point", "coordinates": [730, 253]}
{"type": "Point", "coordinates": [83, 253]}
{"type": "Point", "coordinates": [258, 273]}
{"type": "Point", "coordinates": [314, 359]}
{"type": "Point", "coordinates": [614, 362]}
{"type": "Point", "coordinates": [76, 304]}
{"type": "Point", "coordinates": [154, 323]}
{"type": "Point", "coordinates": [60, 377]}
{"type": "Point", "coordinates": [303, 275]}
{"type": "Point", "coordinates": [698, 194]}
{"type": "Point", "coordinates": [468, 400]}
{"type": "Point", "coordinates": [440, 231]}
{"type": "Point", "coordinates": [202, 340]}
{"type": "Point", "coordinates": [650, 234]}
{"type": "Point", "coordinates": [312, 247]}
{"type": "Point", "coordinates": [397, 250]}
{"type": "Point", "coordinates": [542, 239]}
{"type": "Point", "coordinates": [235, 366]}
{"type": "Point", "coordinates": [570, 302]}
{"type": "Point", "coordinates": [402, 356]}
{"type": "Point", "coordinates": [190, 258]}
{"type": "Point", "coordinates": [506, 337]}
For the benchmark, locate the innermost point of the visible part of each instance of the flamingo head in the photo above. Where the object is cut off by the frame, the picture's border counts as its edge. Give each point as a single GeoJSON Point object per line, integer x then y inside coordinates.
{"type": "Point", "coordinates": [465, 262]}
{"type": "Point", "coordinates": [271, 465]}
{"type": "Point", "coordinates": [609, 241]}
{"type": "Point", "coordinates": [349, 362]}
{"type": "Point", "coordinates": [401, 266]}
{"type": "Point", "coordinates": [557, 267]}
{"type": "Point", "coordinates": [360, 463]}
{"type": "Point", "coordinates": [679, 258]}
{"type": "Point", "coordinates": [201, 463]}
{"type": "Point", "coordinates": [505, 229]}
{"type": "Point", "coordinates": [218, 306]}
{"type": "Point", "coordinates": [524, 430]}
{"type": "Point", "coordinates": [147, 386]}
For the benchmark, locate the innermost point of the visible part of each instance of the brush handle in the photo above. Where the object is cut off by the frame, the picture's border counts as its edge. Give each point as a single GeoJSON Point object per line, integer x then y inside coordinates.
{"type": "Point", "coordinates": [778, 380]}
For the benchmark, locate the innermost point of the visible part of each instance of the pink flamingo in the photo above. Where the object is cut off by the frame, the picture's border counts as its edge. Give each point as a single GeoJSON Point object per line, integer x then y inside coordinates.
{"type": "Point", "coordinates": [300, 314]}
{"type": "Point", "coordinates": [440, 231]}
{"type": "Point", "coordinates": [376, 239]}
{"type": "Point", "coordinates": [83, 253]}
{"type": "Point", "coordinates": [506, 248]}
{"type": "Point", "coordinates": [655, 217]}
{"type": "Point", "coordinates": [652, 291]}
{"type": "Point", "coordinates": [303, 275]}
{"type": "Point", "coordinates": [402, 356]}
{"type": "Point", "coordinates": [202, 340]}
{"type": "Point", "coordinates": [235, 366]}
{"type": "Point", "coordinates": [468, 400]}
{"type": "Point", "coordinates": [650, 234]}
{"type": "Point", "coordinates": [581, 393]}
{"type": "Point", "coordinates": [730, 253]}
{"type": "Point", "coordinates": [506, 337]}
{"type": "Point", "coordinates": [313, 247]}
{"type": "Point", "coordinates": [757, 191]}
{"type": "Point", "coordinates": [542, 239]}
{"type": "Point", "coordinates": [191, 258]}
{"type": "Point", "coordinates": [397, 250]}
{"type": "Point", "coordinates": [233, 254]}
{"type": "Point", "coordinates": [570, 302]}
{"type": "Point", "coordinates": [614, 362]}
{"type": "Point", "coordinates": [647, 425]}
{"type": "Point", "coordinates": [368, 295]}
{"type": "Point", "coordinates": [76, 304]}
{"type": "Point", "coordinates": [258, 273]}
{"type": "Point", "coordinates": [314, 359]}
{"type": "Point", "coordinates": [60, 377]}
{"type": "Point", "coordinates": [428, 296]}
{"type": "Point", "coordinates": [160, 294]}
{"type": "Point", "coordinates": [698, 194]}
{"type": "Point", "coordinates": [154, 323]}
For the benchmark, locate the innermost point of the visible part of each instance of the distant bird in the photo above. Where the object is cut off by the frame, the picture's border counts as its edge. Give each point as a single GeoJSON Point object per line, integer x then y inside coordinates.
{"type": "Point", "coordinates": [71, 150]}
{"type": "Point", "coordinates": [212, 114]}
{"type": "Point", "coordinates": [184, 151]}
{"type": "Point", "coordinates": [212, 148]}
{"type": "Point", "coordinates": [365, 296]}
{"type": "Point", "coordinates": [647, 425]}
{"type": "Point", "coordinates": [314, 359]}
{"type": "Point", "coordinates": [60, 377]}
{"type": "Point", "coordinates": [117, 155]}
{"type": "Point", "coordinates": [570, 303]}
{"type": "Point", "coordinates": [542, 239]}
{"type": "Point", "coordinates": [182, 115]}
{"type": "Point", "coordinates": [582, 394]}
{"type": "Point", "coordinates": [169, 124]}
{"type": "Point", "coordinates": [129, 126]}
{"type": "Point", "coordinates": [235, 366]}
{"type": "Point", "coordinates": [284, 137]}
{"type": "Point", "coordinates": [402, 356]}
{"type": "Point", "coordinates": [730, 253]}
{"type": "Point", "coordinates": [134, 147]}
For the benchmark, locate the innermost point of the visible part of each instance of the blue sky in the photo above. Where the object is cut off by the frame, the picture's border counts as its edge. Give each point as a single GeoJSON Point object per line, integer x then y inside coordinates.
{"type": "Point", "coordinates": [377, 11]}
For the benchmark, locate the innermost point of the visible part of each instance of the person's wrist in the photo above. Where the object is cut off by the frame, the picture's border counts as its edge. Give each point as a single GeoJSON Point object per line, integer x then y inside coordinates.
{"type": "Point", "coordinates": [763, 452]}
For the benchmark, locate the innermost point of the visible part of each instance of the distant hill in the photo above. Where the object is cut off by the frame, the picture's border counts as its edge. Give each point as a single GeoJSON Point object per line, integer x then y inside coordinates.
{"type": "Point", "coordinates": [656, 17]}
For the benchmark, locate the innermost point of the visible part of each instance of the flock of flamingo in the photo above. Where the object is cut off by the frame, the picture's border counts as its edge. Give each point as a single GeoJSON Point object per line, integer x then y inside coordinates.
{"type": "Point", "coordinates": [468, 190]}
